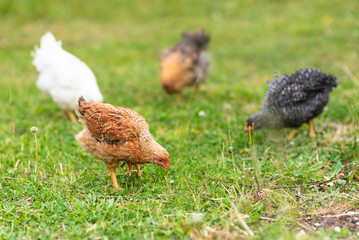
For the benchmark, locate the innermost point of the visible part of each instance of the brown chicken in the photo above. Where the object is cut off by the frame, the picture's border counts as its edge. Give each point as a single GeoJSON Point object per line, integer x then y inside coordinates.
{"type": "Point", "coordinates": [116, 134]}
{"type": "Point", "coordinates": [186, 63]}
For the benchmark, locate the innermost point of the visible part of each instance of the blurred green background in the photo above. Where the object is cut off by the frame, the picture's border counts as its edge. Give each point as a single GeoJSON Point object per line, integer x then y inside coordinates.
{"type": "Point", "coordinates": [51, 188]}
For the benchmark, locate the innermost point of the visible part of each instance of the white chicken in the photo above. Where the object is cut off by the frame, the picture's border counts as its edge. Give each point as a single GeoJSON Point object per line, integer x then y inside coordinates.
{"type": "Point", "coordinates": [63, 76]}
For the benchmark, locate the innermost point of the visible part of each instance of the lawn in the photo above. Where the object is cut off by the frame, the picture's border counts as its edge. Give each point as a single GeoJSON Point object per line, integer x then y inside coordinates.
{"type": "Point", "coordinates": [52, 189]}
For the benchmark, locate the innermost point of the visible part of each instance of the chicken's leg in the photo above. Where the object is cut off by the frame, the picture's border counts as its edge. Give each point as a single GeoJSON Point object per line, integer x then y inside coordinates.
{"type": "Point", "coordinates": [114, 180]}
{"type": "Point", "coordinates": [138, 170]}
{"type": "Point", "coordinates": [196, 87]}
{"type": "Point", "coordinates": [130, 166]}
{"type": "Point", "coordinates": [72, 116]}
{"type": "Point", "coordinates": [63, 113]}
{"type": "Point", "coordinates": [178, 97]}
{"type": "Point", "coordinates": [292, 133]}
{"type": "Point", "coordinates": [311, 129]}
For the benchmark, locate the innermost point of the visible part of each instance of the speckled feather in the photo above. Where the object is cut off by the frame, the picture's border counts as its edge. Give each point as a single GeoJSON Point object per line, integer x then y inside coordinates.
{"type": "Point", "coordinates": [295, 99]}
{"type": "Point", "coordinates": [116, 134]}
{"type": "Point", "coordinates": [186, 63]}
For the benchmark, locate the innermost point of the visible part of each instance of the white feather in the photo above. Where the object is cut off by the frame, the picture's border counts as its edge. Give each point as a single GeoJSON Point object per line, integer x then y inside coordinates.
{"type": "Point", "coordinates": [62, 75]}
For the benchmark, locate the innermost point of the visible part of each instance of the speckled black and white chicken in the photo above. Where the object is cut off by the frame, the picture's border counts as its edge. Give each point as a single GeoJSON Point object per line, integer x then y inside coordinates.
{"type": "Point", "coordinates": [186, 63]}
{"type": "Point", "coordinates": [294, 100]}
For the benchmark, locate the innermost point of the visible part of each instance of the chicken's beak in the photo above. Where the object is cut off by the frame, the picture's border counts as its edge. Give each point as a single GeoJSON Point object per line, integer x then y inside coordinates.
{"type": "Point", "coordinates": [167, 87]}
{"type": "Point", "coordinates": [167, 166]}
{"type": "Point", "coordinates": [246, 129]}
{"type": "Point", "coordinates": [253, 127]}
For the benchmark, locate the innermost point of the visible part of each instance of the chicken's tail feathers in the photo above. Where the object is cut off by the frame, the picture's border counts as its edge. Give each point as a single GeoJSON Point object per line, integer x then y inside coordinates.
{"type": "Point", "coordinates": [49, 40]}
{"type": "Point", "coordinates": [33, 52]}
{"type": "Point", "coordinates": [275, 76]}
{"type": "Point", "coordinates": [199, 38]}
{"type": "Point", "coordinates": [275, 79]}
{"type": "Point", "coordinates": [331, 81]}
{"type": "Point", "coordinates": [81, 103]}
{"type": "Point", "coordinates": [81, 99]}
{"type": "Point", "coordinates": [79, 108]}
{"type": "Point", "coordinates": [40, 54]}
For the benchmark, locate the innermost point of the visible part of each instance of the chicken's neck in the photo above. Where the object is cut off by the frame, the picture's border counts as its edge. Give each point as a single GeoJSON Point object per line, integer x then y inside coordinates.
{"type": "Point", "coordinates": [271, 120]}
{"type": "Point", "coordinates": [151, 149]}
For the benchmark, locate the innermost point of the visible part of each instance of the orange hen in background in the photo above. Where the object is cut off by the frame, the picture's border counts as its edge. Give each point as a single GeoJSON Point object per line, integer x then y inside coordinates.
{"type": "Point", "coordinates": [116, 134]}
{"type": "Point", "coordinates": [186, 63]}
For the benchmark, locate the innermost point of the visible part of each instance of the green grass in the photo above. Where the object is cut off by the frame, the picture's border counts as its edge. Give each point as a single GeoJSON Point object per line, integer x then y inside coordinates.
{"type": "Point", "coordinates": [50, 188]}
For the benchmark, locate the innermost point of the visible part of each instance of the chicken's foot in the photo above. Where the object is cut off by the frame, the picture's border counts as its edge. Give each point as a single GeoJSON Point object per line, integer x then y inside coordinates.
{"type": "Point", "coordinates": [114, 180]}
{"type": "Point", "coordinates": [292, 133]}
{"type": "Point", "coordinates": [311, 129]}
{"type": "Point", "coordinates": [72, 116]}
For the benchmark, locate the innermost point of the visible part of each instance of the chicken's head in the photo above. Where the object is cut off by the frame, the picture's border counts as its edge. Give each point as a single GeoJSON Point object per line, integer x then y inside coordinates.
{"type": "Point", "coordinates": [177, 71]}
{"type": "Point", "coordinates": [253, 123]}
{"type": "Point", "coordinates": [162, 161]}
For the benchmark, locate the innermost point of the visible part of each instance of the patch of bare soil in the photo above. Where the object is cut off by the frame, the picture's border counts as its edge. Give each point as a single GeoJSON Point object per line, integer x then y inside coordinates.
{"type": "Point", "coordinates": [343, 132]}
{"type": "Point", "coordinates": [208, 233]}
{"type": "Point", "coordinates": [347, 220]}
